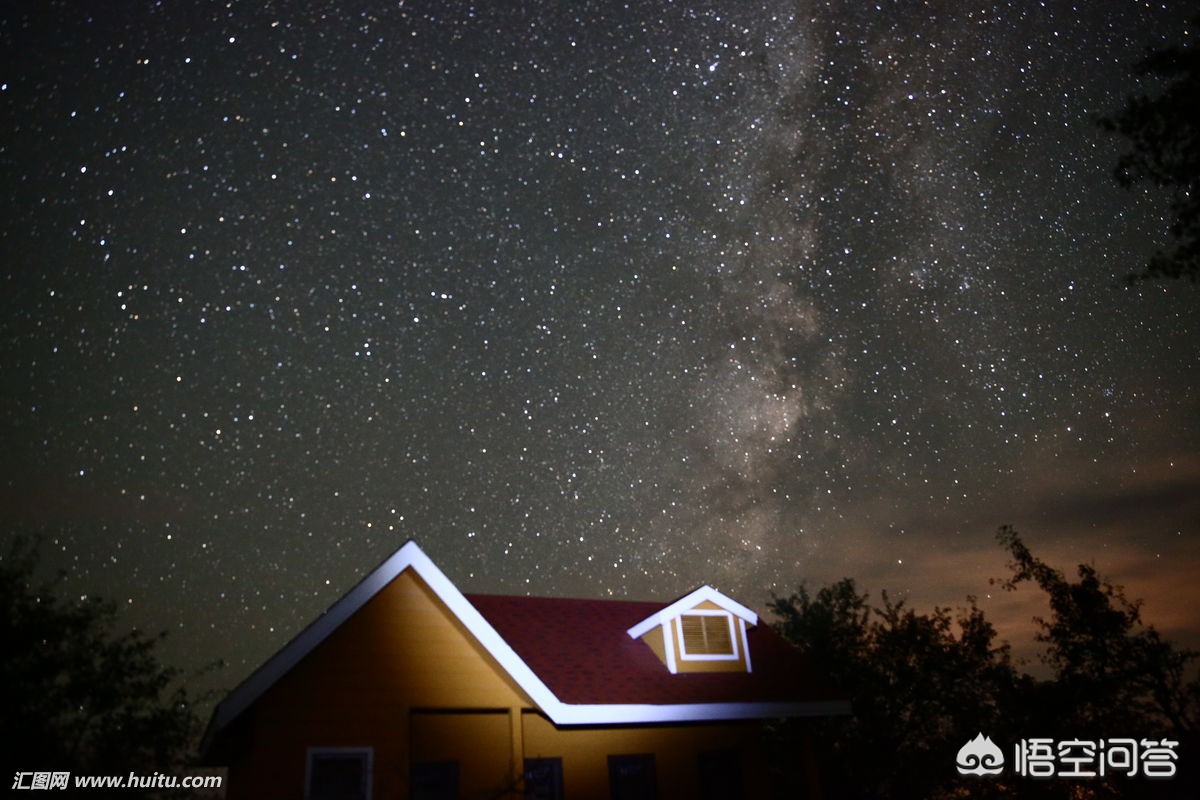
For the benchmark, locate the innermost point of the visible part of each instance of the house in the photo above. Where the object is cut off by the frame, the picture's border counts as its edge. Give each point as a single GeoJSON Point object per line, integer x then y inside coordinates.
{"type": "Point", "coordinates": [407, 688]}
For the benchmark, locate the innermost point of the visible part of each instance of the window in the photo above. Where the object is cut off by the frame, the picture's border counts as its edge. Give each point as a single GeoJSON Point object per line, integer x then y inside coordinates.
{"type": "Point", "coordinates": [339, 773]}
{"type": "Point", "coordinates": [632, 777]}
{"type": "Point", "coordinates": [543, 779]}
{"type": "Point", "coordinates": [720, 773]}
{"type": "Point", "coordinates": [707, 635]}
{"type": "Point", "coordinates": [434, 780]}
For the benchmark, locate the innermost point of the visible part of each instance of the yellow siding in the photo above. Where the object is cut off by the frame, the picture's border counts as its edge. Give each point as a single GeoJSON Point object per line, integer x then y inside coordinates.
{"type": "Point", "coordinates": [585, 751]}
{"type": "Point", "coordinates": [653, 639]}
{"type": "Point", "coordinates": [478, 741]}
{"type": "Point", "coordinates": [401, 650]}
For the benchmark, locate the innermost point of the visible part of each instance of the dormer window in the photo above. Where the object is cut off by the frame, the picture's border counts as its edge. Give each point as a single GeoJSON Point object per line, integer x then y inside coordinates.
{"type": "Point", "coordinates": [706, 636]}
{"type": "Point", "coordinates": [703, 631]}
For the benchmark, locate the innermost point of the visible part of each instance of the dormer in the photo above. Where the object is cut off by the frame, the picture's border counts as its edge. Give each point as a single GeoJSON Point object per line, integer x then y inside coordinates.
{"type": "Point", "coordinates": [703, 631]}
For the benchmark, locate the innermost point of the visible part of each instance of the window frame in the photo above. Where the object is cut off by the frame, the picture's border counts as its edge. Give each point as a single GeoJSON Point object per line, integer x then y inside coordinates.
{"type": "Point", "coordinates": [451, 767]}
{"type": "Point", "coordinates": [556, 781]}
{"type": "Point", "coordinates": [735, 655]}
{"type": "Point", "coordinates": [646, 764]}
{"type": "Point", "coordinates": [721, 774]}
{"type": "Point", "coordinates": [368, 759]}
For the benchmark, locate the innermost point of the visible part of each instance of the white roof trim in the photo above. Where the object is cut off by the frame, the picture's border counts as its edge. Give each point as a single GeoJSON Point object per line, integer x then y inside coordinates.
{"type": "Point", "coordinates": [694, 712]}
{"type": "Point", "coordinates": [410, 556]}
{"type": "Point", "coordinates": [687, 603]}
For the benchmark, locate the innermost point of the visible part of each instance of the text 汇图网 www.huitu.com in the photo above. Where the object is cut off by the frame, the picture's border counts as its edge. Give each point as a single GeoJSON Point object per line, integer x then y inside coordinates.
{"type": "Point", "coordinates": [64, 780]}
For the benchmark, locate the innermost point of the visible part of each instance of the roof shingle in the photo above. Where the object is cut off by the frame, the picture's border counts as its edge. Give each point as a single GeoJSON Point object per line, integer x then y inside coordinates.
{"type": "Point", "coordinates": [581, 651]}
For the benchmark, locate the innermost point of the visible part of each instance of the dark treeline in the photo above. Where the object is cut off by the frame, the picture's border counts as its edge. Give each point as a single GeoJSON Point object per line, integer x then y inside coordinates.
{"type": "Point", "coordinates": [77, 693]}
{"type": "Point", "coordinates": [1162, 136]}
{"type": "Point", "coordinates": [923, 685]}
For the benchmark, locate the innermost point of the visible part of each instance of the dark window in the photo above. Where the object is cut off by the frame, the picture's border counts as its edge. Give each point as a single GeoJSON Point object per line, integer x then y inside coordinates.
{"type": "Point", "coordinates": [434, 780]}
{"type": "Point", "coordinates": [543, 779]}
{"type": "Point", "coordinates": [720, 775]}
{"type": "Point", "coordinates": [339, 775]}
{"type": "Point", "coordinates": [632, 777]}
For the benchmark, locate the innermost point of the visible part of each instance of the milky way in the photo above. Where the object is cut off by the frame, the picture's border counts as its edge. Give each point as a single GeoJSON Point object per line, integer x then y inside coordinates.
{"type": "Point", "coordinates": [589, 300]}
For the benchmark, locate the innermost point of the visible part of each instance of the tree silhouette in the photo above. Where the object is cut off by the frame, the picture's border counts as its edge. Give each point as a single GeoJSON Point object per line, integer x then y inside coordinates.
{"type": "Point", "coordinates": [1164, 149]}
{"type": "Point", "coordinates": [918, 683]}
{"type": "Point", "coordinates": [922, 685]}
{"type": "Point", "coordinates": [1112, 671]}
{"type": "Point", "coordinates": [75, 695]}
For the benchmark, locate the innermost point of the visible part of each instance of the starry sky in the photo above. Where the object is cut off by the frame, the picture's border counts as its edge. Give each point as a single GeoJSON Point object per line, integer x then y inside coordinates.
{"type": "Point", "coordinates": [591, 299]}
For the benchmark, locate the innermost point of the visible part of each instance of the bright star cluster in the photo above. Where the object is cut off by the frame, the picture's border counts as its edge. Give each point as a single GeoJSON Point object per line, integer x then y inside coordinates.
{"type": "Point", "coordinates": [590, 299]}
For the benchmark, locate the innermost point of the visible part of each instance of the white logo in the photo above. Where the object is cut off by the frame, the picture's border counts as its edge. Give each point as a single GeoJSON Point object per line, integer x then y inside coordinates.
{"type": "Point", "coordinates": [980, 756]}
{"type": "Point", "coordinates": [1072, 758]}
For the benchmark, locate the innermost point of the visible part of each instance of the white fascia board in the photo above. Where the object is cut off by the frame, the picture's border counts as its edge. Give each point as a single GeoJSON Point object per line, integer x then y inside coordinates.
{"type": "Point", "coordinates": [694, 712]}
{"type": "Point", "coordinates": [745, 644]}
{"type": "Point", "coordinates": [483, 631]}
{"type": "Point", "coordinates": [669, 647]}
{"type": "Point", "coordinates": [690, 601]}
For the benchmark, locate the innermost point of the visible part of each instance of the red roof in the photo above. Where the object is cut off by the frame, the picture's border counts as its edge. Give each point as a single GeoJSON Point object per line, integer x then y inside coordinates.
{"type": "Point", "coordinates": [581, 651]}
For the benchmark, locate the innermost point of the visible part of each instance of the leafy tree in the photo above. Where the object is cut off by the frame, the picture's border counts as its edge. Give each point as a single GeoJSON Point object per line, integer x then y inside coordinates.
{"type": "Point", "coordinates": [922, 685]}
{"type": "Point", "coordinates": [75, 695]}
{"type": "Point", "coordinates": [1164, 140]}
{"type": "Point", "coordinates": [1114, 671]}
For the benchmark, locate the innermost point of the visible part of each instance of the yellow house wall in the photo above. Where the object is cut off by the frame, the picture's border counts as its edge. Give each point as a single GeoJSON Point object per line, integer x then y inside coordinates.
{"type": "Point", "coordinates": [480, 741]}
{"type": "Point", "coordinates": [653, 639]}
{"type": "Point", "coordinates": [400, 651]}
{"type": "Point", "coordinates": [585, 751]}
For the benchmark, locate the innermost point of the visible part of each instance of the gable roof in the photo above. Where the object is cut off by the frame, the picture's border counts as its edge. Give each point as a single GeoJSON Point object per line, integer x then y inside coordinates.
{"type": "Point", "coordinates": [582, 652]}
{"type": "Point", "coordinates": [561, 680]}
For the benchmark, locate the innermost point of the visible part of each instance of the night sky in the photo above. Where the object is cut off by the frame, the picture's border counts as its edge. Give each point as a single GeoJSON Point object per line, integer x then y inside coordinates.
{"type": "Point", "coordinates": [589, 299]}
